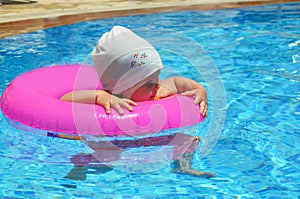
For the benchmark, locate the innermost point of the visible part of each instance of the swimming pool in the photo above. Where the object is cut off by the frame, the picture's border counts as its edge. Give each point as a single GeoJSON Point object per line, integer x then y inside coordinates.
{"type": "Point", "coordinates": [257, 53]}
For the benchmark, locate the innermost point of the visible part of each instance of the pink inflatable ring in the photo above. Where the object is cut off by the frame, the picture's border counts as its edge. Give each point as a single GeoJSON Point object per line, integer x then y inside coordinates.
{"type": "Point", "coordinates": [33, 99]}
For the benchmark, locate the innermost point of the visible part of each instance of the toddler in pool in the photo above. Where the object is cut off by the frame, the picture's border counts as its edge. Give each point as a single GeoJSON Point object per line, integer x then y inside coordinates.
{"type": "Point", "coordinates": [128, 67]}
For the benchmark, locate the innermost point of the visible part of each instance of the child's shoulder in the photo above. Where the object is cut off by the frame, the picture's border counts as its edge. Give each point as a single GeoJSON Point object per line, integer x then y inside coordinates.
{"type": "Point", "coordinates": [167, 87]}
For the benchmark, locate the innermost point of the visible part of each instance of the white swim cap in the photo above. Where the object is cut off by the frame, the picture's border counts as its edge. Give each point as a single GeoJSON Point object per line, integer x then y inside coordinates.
{"type": "Point", "coordinates": [122, 59]}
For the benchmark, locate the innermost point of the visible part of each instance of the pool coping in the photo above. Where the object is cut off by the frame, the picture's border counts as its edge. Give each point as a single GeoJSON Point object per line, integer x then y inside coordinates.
{"type": "Point", "coordinates": [21, 26]}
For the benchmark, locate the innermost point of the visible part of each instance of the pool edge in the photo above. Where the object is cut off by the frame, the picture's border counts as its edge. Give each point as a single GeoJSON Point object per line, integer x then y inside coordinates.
{"type": "Point", "coordinates": [12, 28]}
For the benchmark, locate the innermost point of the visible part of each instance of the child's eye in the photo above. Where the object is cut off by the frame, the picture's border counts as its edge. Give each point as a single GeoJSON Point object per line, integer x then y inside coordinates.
{"type": "Point", "coordinates": [151, 85]}
{"type": "Point", "coordinates": [148, 85]}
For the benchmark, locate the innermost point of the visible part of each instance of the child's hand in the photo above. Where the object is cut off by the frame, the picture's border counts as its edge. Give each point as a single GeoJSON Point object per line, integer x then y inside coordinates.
{"type": "Point", "coordinates": [200, 97]}
{"type": "Point", "coordinates": [107, 100]}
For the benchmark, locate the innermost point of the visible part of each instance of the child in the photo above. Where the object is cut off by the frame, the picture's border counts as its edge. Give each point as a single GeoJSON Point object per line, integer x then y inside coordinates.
{"type": "Point", "coordinates": [128, 67]}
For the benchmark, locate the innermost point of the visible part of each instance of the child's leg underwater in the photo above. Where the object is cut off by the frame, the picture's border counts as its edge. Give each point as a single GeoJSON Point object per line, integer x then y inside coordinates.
{"type": "Point", "coordinates": [183, 156]}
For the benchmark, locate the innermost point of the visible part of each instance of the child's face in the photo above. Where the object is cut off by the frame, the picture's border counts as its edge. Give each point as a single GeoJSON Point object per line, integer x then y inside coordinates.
{"type": "Point", "coordinates": [144, 90]}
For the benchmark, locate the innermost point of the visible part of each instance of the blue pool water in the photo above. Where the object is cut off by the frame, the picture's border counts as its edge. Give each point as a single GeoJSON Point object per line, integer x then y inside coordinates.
{"type": "Point", "coordinates": [254, 60]}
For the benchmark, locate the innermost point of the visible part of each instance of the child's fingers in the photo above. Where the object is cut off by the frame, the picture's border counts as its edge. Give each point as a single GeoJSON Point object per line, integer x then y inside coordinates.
{"type": "Point", "coordinates": [127, 106]}
{"type": "Point", "coordinates": [206, 113]}
{"type": "Point", "coordinates": [132, 102]}
{"type": "Point", "coordinates": [118, 108]}
{"type": "Point", "coordinates": [107, 108]}
{"type": "Point", "coordinates": [197, 100]}
{"type": "Point", "coordinates": [203, 109]}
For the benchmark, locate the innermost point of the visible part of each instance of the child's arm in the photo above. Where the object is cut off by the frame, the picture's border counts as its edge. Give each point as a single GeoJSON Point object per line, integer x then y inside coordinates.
{"type": "Point", "coordinates": [185, 86]}
{"type": "Point", "coordinates": [100, 97]}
